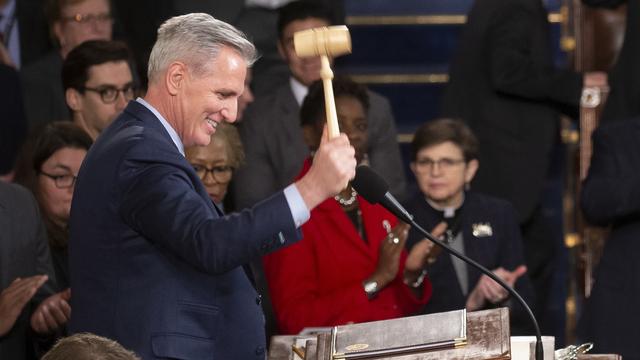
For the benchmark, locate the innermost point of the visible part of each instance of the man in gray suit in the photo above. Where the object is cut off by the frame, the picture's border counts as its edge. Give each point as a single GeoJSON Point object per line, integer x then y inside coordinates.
{"type": "Point", "coordinates": [271, 132]}
{"type": "Point", "coordinates": [25, 267]}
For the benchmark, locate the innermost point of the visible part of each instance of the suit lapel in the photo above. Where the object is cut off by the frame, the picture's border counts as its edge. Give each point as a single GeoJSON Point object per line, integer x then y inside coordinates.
{"type": "Point", "coordinates": [290, 109]}
{"type": "Point", "coordinates": [293, 148]}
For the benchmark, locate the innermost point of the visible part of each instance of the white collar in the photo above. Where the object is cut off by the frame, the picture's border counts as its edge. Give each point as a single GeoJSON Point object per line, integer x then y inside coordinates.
{"type": "Point", "coordinates": [298, 89]}
{"type": "Point", "coordinates": [449, 211]}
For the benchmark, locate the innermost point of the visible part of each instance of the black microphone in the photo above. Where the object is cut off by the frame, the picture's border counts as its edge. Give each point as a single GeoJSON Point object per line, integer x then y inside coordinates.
{"type": "Point", "coordinates": [374, 189]}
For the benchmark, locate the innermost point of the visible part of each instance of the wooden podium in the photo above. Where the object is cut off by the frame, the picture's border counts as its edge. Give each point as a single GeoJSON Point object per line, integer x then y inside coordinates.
{"type": "Point", "coordinates": [487, 338]}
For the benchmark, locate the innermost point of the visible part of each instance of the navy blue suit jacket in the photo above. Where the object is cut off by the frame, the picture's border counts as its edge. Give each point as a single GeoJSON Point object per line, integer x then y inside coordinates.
{"type": "Point", "coordinates": [154, 264]}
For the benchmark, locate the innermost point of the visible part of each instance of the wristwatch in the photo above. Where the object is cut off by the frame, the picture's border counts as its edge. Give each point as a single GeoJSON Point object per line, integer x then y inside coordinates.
{"type": "Point", "coordinates": [370, 288]}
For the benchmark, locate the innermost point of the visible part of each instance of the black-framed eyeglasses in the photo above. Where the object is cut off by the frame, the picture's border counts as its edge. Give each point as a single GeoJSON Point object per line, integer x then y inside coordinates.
{"type": "Point", "coordinates": [221, 174]}
{"type": "Point", "coordinates": [443, 164]}
{"type": "Point", "coordinates": [82, 19]}
{"type": "Point", "coordinates": [61, 181]}
{"type": "Point", "coordinates": [109, 94]}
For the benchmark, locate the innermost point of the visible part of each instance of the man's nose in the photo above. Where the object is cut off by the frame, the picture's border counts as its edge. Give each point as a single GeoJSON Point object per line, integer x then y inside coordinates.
{"type": "Point", "coordinates": [230, 111]}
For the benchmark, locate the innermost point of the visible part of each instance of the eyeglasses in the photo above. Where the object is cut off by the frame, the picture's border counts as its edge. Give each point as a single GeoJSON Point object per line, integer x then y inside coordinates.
{"type": "Point", "coordinates": [109, 94]}
{"type": "Point", "coordinates": [443, 164]}
{"type": "Point", "coordinates": [221, 174]}
{"type": "Point", "coordinates": [61, 181]}
{"type": "Point", "coordinates": [89, 18]}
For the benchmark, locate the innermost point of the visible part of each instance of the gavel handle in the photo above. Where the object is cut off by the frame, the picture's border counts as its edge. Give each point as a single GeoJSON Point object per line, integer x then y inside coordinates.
{"type": "Point", "coordinates": [329, 102]}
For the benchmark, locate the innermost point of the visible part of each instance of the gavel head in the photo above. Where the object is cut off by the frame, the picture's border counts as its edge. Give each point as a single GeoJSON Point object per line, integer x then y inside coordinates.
{"type": "Point", "coordinates": [331, 41]}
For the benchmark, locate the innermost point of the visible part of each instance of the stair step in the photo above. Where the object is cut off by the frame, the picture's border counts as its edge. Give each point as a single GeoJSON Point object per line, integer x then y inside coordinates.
{"type": "Point", "coordinates": [418, 7]}
{"type": "Point", "coordinates": [401, 46]}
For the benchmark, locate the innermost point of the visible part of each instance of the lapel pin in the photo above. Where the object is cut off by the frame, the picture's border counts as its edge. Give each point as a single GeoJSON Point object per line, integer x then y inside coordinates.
{"type": "Point", "coordinates": [482, 229]}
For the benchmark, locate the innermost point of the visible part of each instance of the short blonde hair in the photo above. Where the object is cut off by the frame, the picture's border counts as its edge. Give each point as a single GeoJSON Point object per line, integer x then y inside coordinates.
{"type": "Point", "coordinates": [86, 346]}
{"type": "Point", "coordinates": [229, 134]}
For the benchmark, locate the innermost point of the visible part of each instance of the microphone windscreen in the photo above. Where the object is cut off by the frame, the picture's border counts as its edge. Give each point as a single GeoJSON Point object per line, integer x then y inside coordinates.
{"type": "Point", "coordinates": [369, 184]}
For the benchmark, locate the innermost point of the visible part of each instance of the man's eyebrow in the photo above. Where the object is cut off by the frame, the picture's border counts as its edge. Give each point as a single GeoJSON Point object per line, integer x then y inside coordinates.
{"type": "Point", "coordinates": [110, 85]}
{"type": "Point", "coordinates": [227, 92]}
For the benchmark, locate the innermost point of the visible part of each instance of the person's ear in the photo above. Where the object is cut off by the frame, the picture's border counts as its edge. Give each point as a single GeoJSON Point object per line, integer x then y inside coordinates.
{"type": "Point", "coordinates": [471, 169]}
{"type": "Point", "coordinates": [282, 51]}
{"type": "Point", "coordinates": [175, 77]}
{"type": "Point", "coordinates": [72, 96]}
{"type": "Point", "coordinates": [412, 166]}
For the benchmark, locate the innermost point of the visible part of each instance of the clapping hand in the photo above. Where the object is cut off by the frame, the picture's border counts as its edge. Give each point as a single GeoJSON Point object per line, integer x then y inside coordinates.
{"type": "Point", "coordinates": [487, 290]}
{"type": "Point", "coordinates": [423, 253]}
{"type": "Point", "coordinates": [389, 255]}
{"type": "Point", "coordinates": [53, 313]}
{"type": "Point", "coordinates": [15, 297]}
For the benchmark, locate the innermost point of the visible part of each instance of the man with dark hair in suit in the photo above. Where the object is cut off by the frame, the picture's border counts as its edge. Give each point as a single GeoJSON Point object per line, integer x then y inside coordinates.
{"type": "Point", "coordinates": [154, 263]}
{"type": "Point", "coordinates": [271, 130]}
{"type": "Point", "coordinates": [503, 84]}
{"type": "Point", "coordinates": [98, 83]}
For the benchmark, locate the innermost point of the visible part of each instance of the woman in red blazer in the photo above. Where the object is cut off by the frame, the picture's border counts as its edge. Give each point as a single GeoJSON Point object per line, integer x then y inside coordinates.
{"type": "Point", "coordinates": [351, 265]}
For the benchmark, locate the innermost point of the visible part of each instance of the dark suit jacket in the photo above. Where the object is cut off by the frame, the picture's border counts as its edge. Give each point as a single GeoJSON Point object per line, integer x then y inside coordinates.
{"type": "Point", "coordinates": [35, 40]}
{"type": "Point", "coordinates": [275, 147]}
{"type": "Point", "coordinates": [611, 196]}
{"type": "Point", "coordinates": [503, 248]}
{"type": "Point", "coordinates": [624, 79]}
{"type": "Point", "coordinates": [13, 124]}
{"type": "Point", "coordinates": [154, 264]}
{"type": "Point", "coordinates": [43, 92]}
{"type": "Point", "coordinates": [502, 83]}
{"type": "Point", "coordinates": [24, 251]}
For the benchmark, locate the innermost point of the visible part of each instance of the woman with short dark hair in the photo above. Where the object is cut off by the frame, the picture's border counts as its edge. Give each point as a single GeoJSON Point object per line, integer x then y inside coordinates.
{"type": "Point", "coordinates": [444, 160]}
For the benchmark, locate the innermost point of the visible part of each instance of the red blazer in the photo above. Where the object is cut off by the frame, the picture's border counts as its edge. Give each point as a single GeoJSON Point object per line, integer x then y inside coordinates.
{"type": "Point", "coordinates": [318, 281]}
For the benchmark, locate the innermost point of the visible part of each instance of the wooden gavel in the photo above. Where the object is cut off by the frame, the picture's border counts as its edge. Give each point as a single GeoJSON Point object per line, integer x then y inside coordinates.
{"type": "Point", "coordinates": [325, 42]}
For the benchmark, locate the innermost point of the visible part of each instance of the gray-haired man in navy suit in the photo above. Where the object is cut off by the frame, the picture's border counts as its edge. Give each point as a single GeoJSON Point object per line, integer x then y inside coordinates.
{"type": "Point", "coordinates": [154, 263]}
